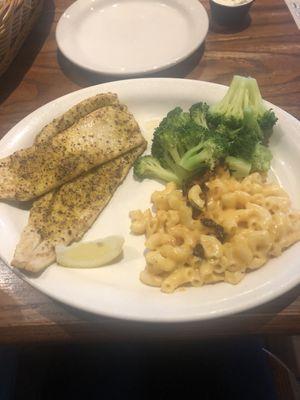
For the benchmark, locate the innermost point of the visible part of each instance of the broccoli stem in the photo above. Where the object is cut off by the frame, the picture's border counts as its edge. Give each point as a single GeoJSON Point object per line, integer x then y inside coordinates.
{"type": "Point", "coordinates": [238, 167]}
{"type": "Point", "coordinates": [194, 159]}
{"type": "Point", "coordinates": [164, 175]}
{"type": "Point", "coordinates": [235, 99]}
{"type": "Point", "coordinates": [255, 97]}
{"type": "Point", "coordinates": [175, 167]}
{"type": "Point", "coordinates": [149, 167]}
{"type": "Point", "coordinates": [242, 93]}
{"type": "Point", "coordinates": [175, 155]}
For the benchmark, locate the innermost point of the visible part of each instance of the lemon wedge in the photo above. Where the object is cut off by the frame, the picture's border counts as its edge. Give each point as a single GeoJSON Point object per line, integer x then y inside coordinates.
{"type": "Point", "coordinates": [89, 254]}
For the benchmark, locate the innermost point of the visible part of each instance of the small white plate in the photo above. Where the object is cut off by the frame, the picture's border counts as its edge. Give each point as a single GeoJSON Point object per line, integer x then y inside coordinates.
{"type": "Point", "coordinates": [115, 290]}
{"type": "Point", "coordinates": [125, 37]}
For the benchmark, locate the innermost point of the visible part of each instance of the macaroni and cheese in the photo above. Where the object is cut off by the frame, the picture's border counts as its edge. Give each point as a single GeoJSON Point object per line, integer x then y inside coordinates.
{"type": "Point", "coordinates": [254, 216]}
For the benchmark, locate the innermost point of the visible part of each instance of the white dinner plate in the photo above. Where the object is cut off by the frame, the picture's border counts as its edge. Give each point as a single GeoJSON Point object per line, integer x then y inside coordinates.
{"type": "Point", "coordinates": [116, 290]}
{"type": "Point", "coordinates": [127, 37]}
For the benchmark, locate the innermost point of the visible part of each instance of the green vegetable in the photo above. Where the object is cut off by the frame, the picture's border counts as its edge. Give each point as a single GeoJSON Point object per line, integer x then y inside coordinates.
{"type": "Point", "coordinates": [198, 113]}
{"type": "Point", "coordinates": [207, 153]}
{"type": "Point", "coordinates": [231, 108]}
{"type": "Point", "coordinates": [243, 140]}
{"type": "Point", "coordinates": [238, 167]}
{"type": "Point", "coordinates": [261, 158]}
{"type": "Point", "coordinates": [267, 122]}
{"type": "Point", "coordinates": [259, 162]}
{"type": "Point", "coordinates": [175, 118]}
{"type": "Point", "coordinates": [234, 129]}
{"type": "Point", "coordinates": [266, 118]}
{"type": "Point", "coordinates": [242, 94]}
{"type": "Point", "coordinates": [176, 134]}
{"type": "Point", "coordinates": [149, 167]}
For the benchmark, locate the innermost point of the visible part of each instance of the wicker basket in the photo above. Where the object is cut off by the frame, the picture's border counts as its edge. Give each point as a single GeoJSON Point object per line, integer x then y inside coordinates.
{"type": "Point", "coordinates": [16, 20]}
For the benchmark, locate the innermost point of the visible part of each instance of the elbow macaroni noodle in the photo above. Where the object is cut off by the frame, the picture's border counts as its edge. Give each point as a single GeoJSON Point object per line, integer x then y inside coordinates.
{"type": "Point", "coordinates": [256, 218]}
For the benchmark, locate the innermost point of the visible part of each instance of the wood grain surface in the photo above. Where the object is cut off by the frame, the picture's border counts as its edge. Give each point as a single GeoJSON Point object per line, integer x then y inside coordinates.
{"type": "Point", "coordinates": [266, 47]}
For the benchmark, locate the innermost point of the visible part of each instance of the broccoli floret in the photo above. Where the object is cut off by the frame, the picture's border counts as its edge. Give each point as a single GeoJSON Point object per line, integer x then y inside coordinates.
{"type": "Point", "coordinates": [198, 114]}
{"type": "Point", "coordinates": [192, 134]}
{"type": "Point", "coordinates": [238, 167]}
{"type": "Point", "coordinates": [225, 131]}
{"type": "Point", "coordinates": [175, 118]}
{"type": "Point", "coordinates": [244, 140]}
{"type": "Point", "coordinates": [231, 107]}
{"type": "Point", "coordinates": [266, 123]}
{"type": "Point", "coordinates": [166, 146]}
{"type": "Point", "coordinates": [266, 118]}
{"type": "Point", "coordinates": [168, 149]}
{"type": "Point", "coordinates": [173, 137]}
{"type": "Point", "coordinates": [166, 143]}
{"type": "Point", "coordinates": [242, 94]}
{"type": "Point", "coordinates": [255, 99]}
{"type": "Point", "coordinates": [206, 154]}
{"type": "Point", "coordinates": [261, 159]}
{"type": "Point", "coordinates": [250, 124]}
{"type": "Point", "coordinates": [188, 143]}
{"type": "Point", "coordinates": [247, 154]}
{"type": "Point", "coordinates": [149, 167]}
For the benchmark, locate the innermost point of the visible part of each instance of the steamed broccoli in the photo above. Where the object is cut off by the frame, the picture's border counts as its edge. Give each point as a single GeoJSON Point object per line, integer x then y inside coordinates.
{"type": "Point", "coordinates": [175, 118]}
{"type": "Point", "coordinates": [198, 113]}
{"type": "Point", "coordinates": [244, 140]}
{"type": "Point", "coordinates": [238, 167]}
{"type": "Point", "coordinates": [235, 130]}
{"type": "Point", "coordinates": [192, 134]}
{"type": "Point", "coordinates": [246, 153]}
{"type": "Point", "coordinates": [230, 109]}
{"type": "Point", "coordinates": [149, 167]}
{"type": "Point", "coordinates": [261, 159]}
{"type": "Point", "coordinates": [174, 136]}
{"type": "Point", "coordinates": [167, 146]}
{"type": "Point", "coordinates": [255, 99]}
{"type": "Point", "coordinates": [207, 153]}
{"type": "Point", "coordinates": [266, 118]}
{"type": "Point", "coordinates": [267, 122]}
{"type": "Point", "coordinates": [242, 94]}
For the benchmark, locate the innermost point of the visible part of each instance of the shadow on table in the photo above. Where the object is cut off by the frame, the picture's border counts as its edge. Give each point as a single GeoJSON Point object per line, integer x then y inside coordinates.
{"type": "Point", "coordinates": [28, 52]}
{"type": "Point", "coordinates": [83, 77]}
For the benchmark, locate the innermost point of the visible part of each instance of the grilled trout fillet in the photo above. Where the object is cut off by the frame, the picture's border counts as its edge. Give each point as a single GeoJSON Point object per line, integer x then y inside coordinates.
{"type": "Point", "coordinates": [61, 155]}
{"type": "Point", "coordinates": [65, 214]}
{"type": "Point", "coordinates": [70, 117]}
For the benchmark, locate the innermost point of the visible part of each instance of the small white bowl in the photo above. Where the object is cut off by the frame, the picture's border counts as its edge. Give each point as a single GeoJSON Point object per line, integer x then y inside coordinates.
{"type": "Point", "coordinates": [228, 13]}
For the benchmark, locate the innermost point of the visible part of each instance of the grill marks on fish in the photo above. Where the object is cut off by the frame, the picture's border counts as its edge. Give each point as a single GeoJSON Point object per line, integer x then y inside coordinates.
{"type": "Point", "coordinates": [93, 139]}
{"type": "Point", "coordinates": [65, 214]}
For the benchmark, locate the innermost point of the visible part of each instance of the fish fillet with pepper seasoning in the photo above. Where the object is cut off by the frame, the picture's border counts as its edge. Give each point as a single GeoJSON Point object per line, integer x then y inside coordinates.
{"type": "Point", "coordinates": [67, 149]}
{"type": "Point", "coordinates": [65, 214]}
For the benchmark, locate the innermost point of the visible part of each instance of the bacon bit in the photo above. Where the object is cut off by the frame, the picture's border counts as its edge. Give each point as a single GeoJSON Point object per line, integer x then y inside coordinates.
{"type": "Point", "coordinates": [218, 229]}
{"type": "Point", "coordinates": [198, 251]}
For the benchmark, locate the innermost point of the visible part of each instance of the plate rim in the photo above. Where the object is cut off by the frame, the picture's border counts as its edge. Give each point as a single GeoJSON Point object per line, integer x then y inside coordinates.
{"type": "Point", "coordinates": [114, 72]}
{"type": "Point", "coordinates": [269, 295]}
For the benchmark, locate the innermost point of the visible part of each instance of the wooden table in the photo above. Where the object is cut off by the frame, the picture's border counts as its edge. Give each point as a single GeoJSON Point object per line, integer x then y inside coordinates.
{"type": "Point", "coordinates": [268, 49]}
